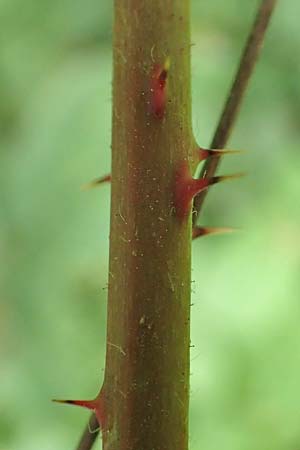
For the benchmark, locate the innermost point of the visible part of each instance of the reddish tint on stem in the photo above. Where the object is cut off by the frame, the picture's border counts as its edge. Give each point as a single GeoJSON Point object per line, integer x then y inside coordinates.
{"type": "Point", "coordinates": [186, 187]}
{"type": "Point", "coordinates": [158, 89]}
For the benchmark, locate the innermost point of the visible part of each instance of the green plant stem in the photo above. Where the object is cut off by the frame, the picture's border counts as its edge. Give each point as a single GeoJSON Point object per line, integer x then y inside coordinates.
{"type": "Point", "coordinates": [232, 105]}
{"type": "Point", "coordinates": [223, 129]}
{"type": "Point", "coordinates": [146, 386]}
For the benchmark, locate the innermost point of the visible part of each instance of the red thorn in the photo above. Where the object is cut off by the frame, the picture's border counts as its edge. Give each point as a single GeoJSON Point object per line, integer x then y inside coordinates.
{"type": "Point", "coordinates": [187, 187]}
{"type": "Point", "coordinates": [96, 182]}
{"type": "Point", "coordinates": [217, 179]}
{"type": "Point", "coordinates": [205, 153]}
{"type": "Point", "coordinates": [158, 87]}
{"type": "Point", "coordinates": [89, 404]}
{"type": "Point", "coordinates": [205, 231]}
{"type": "Point", "coordinates": [97, 405]}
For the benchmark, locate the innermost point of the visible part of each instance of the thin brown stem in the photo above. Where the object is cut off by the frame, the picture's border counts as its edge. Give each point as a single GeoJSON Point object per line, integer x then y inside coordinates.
{"type": "Point", "coordinates": [236, 94]}
{"type": "Point", "coordinates": [221, 136]}
{"type": "Point", "coordinates": [89, 435]}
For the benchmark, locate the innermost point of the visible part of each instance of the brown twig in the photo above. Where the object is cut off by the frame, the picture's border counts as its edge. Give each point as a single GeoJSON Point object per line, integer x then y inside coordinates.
{"type": "Point", "coordinates": [89, 435]}
{"type": "Point", "coordinates": [221, 136]}
{"type": "Point", "coordinates": [236, 94]}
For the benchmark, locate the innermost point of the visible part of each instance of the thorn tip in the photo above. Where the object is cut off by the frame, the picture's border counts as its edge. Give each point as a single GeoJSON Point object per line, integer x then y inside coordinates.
{"type": "Point", "coordinates": [205, 231]}
{"type": "Point", "coordinates": [89, 404]}
{"type": "Point", "coordinates": [220, 178]}
{"type": "Point", "coordinates": [96, 182]}
{"type": "Point", "coordinates": [204, 153]}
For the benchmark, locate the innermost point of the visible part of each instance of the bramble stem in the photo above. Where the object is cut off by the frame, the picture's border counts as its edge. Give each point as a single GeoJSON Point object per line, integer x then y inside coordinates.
{"type": "Point", "coordinates": [129, 58]}
{"type": "Point", "coordinates": [146, 386]}
{"type": "Point", "coordinates": [247, 64]}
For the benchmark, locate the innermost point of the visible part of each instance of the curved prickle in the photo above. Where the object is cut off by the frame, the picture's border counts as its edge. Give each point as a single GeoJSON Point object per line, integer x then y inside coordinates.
{"type": "Point", "coordinates": [186, 187]}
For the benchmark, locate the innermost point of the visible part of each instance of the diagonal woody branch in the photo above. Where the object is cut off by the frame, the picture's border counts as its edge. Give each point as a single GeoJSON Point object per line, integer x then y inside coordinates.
{"type": "Point", "coordinates": [89, 435]}
{"type": "Point", "coordinates": [236, 94]}
{"type": "Point", "coordinates": [221, 136]}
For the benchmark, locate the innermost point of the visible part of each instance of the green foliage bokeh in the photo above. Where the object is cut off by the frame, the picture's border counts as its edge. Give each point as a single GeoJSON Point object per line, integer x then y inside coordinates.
{"type": "Point", "coordinates": [55, 109]}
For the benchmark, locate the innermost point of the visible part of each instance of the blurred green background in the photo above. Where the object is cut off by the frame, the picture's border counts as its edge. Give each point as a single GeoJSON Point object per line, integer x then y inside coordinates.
{"type": "Point", "coordinates": [55, 107]}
